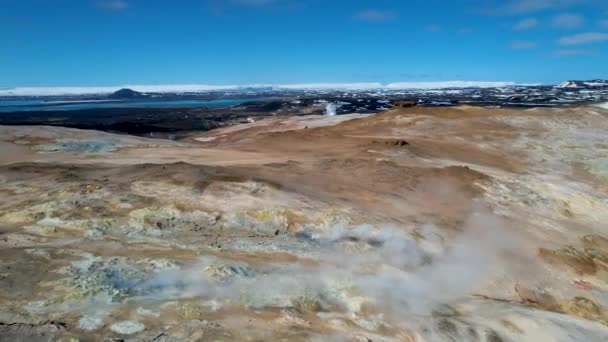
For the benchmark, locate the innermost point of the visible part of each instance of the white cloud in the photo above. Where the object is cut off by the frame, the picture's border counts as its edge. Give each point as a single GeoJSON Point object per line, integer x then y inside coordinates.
{"type": "Point", "coordinates": [448, 84]}
{"type": "Point", "coordinates": [349, 86]}
{"type": "Point", "coordinates": [567, 21]}
{"type": "Point", "coordinates": [266, 4]}
{"type": "Point", "coordinates": [525, 24]}
{"type": "Point", "coordinates": [375, 15]}
{"type": "Point", "coordinates": [572, 52]}
{"type": "Point", "coordinates": [221, 7]}
{"type": "Point", "coordinates": [177, 88]}
{"type": "Point", "coordinates": [114, 5]}
{"type": "Point", "coordinates": [584, 38]}
{"type": "Point", "coordinates": [521, 7]}
{"type": "Point", "coordinates": [522, 44]}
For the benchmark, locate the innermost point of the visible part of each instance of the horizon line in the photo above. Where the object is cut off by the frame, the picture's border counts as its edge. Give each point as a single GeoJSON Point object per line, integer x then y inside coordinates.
{"type": "Point", "coordinates": [193, 87]}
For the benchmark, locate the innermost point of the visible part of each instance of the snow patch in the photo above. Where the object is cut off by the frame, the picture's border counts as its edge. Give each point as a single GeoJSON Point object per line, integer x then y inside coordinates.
{"type": "Point", "coordinates": [568, 84]}
{"type": "Point", "coordinates": [127, 327]}
{"type": "Point", "coordinates": [596, 84]}
{"type": "Point", "coordinates": [205, 139]}
{"type": "Point", "coordinates": [602, 105]}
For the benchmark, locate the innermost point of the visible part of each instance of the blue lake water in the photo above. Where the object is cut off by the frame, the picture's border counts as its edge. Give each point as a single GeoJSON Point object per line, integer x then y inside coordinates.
{"type": "Point", "coordinates": [41, 105]}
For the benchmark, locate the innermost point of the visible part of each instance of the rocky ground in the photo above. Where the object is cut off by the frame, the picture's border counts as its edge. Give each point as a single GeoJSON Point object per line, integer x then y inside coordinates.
{"type": "Point", "coordinates": [417, 224]}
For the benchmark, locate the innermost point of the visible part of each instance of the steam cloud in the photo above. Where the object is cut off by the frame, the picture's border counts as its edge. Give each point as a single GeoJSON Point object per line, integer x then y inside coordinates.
{"type": "Point", "coordinates": [331, 109]}
{"type": "Point", "coordinates": [395, 272]}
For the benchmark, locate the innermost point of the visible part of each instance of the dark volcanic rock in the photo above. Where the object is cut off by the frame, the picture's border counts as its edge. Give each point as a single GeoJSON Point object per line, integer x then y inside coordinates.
{"type": "Point", "coordinates": [404, 103]}
{"type": "Point", "coordinates": [263, 106]}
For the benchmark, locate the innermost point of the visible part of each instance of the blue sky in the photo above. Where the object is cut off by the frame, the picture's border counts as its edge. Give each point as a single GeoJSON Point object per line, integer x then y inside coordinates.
{"type": "Point", "coordinates": [109, 42]}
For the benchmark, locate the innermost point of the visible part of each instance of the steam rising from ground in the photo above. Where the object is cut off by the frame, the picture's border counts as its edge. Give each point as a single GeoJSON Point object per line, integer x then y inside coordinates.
{"type": "Point", "coordinates": [331, 109]}
{"type": "Point", "coordinates": [387, 268]}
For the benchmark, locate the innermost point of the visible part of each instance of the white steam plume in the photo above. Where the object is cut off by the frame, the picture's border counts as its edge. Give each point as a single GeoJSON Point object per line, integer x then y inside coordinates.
{"type": "Point", "coordinates": [331, 109]}
{"type": "Point", "coordinates": [395, 272]}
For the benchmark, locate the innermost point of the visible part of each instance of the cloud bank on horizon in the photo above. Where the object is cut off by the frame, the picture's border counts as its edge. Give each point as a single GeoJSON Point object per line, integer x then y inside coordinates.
{"type": "Point", "coordinates": [184, 88]}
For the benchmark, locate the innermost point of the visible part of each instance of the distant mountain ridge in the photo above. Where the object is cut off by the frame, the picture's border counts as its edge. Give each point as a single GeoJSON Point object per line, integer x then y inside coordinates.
{"type": "Point", "coordinates": [584, 84]}
{"type": "Point", "coordinates": [152, 91]}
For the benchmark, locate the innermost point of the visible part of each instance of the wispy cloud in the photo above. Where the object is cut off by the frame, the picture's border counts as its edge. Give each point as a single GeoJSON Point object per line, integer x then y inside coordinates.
{"type": "Point", "coordinates": [529, 6]}
{"type": "Point", "coordinates": [525, 24]}
{"type": "Point", "coordinates": [522, 44]}
{"type": "Point", "coordinates": [113, 5]}
{"type": "Point", "coordinates": [224, 7]}
{"type": "Point", "coordinates": [375, 15]}
{"type": "Point", "coordinates": [583, 38]}
{"type": "Point", "coordinates": [465, 30]}
{"type": "Point", "coordinates": [267, 4]}
{"type": "Point", "coordinates": [255, 3]}
{"type": "Point", "coordinates": [567, 21]}
{"type": "Point", "coordinates": [433, 28]}
{"type": "Point", "coordinates": [572, 52]}
{"type": "Point", "coordinates": [521, 7]}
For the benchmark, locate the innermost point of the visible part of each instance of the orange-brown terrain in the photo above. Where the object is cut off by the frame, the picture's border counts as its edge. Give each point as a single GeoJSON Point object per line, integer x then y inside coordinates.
{"type": "Point", "coordinates": [416, 224]}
